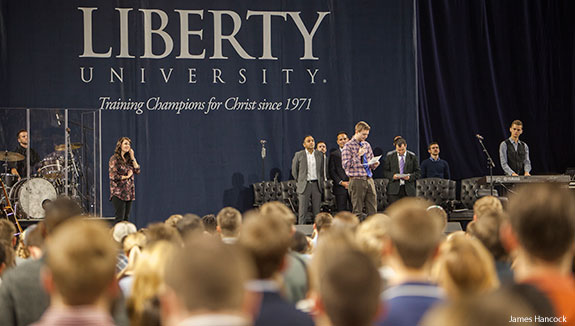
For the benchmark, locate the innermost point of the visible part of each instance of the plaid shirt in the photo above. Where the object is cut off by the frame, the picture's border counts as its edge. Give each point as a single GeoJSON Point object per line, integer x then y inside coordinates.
{"type": "Point", "coordinates": [352, 163]}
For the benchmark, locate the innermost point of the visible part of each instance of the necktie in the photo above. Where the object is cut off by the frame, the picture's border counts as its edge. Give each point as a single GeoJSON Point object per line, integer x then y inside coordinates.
{"type": "Point", "coordinates": [401, 164]}
{"type": "Point", "coordinates": [367, 168]}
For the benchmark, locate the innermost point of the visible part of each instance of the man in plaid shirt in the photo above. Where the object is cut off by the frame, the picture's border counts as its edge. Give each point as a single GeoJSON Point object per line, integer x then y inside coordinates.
{"type": "Point", "coordinates": [354, 157]}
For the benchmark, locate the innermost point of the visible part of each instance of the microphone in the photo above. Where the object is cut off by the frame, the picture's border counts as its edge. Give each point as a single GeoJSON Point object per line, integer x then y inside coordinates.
{"type": "Point", "coordinates": [263, 142]}
{"type": "Point", "coordinates": [479, 136]}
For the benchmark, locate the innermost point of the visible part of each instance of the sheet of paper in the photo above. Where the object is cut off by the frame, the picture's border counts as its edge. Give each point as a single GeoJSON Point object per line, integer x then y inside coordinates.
{"type": "Point", "coordinates": [373, 160]}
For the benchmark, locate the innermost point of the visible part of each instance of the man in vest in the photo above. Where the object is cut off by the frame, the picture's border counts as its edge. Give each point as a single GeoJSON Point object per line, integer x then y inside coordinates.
{"type": "Point", "coordinates": [513, 153]}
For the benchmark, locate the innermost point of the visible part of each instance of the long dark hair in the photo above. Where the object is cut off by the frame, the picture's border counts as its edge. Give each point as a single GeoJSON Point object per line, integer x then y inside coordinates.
{"type": "Point", "coordinates": [118, 151]}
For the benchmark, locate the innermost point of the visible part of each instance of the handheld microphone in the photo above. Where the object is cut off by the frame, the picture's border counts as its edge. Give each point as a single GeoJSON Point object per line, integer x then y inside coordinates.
{"type": "Point", "coordinates": [479, 136]}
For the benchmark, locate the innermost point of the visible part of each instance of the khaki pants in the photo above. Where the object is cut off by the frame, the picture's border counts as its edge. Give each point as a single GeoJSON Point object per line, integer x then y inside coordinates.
{"type": "Point", "coordinates": [362, 194]}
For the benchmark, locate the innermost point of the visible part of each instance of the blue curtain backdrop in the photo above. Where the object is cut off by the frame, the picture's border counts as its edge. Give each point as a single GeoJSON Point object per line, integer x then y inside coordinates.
{"type": "Point", "coordinates": [199, 161]}
{"type": "Point", "coordinates": [483, 64]}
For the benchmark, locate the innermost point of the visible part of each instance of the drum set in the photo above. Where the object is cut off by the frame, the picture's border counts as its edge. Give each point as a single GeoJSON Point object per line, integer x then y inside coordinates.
{"type": "Point", "coordinates": [51, 178]}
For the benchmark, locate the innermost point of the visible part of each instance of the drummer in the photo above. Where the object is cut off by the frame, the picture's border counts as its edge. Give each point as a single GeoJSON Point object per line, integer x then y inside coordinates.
{"type": "Point", "coordinates": [19, 168]}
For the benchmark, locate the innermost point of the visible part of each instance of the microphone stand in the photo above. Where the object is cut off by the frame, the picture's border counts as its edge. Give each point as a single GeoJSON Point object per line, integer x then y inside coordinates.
{"type": "Point", "coordinates": [490, 165]}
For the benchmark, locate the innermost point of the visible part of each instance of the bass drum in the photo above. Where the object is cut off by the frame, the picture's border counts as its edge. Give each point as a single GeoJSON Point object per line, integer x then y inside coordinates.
{"type": "Point", "coordinates": [27, 196]}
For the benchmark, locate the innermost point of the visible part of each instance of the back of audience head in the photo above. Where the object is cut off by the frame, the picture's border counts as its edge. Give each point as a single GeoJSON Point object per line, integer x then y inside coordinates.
{"type": "Point", "coordinates": [542, 219]}
{"type": "Point", "coordinates": [464, 267]}
{"type": "Point", "coordinates": [440, 214]}
{"type": "Point", "coordinates": [210, 281]}
{"type": "Point", "coordinates": [346, 218]}
{"type": "Point", "coordinates": [80, 264]}
{"type": "Point", "coordinates": [487, 230]}
{"type": "Point", "coordinates": [493, 309]}
{"type": "Point", "coordinates": [371, 236]}
{"type": "Point", "coordinates": [413, 234]}
{"type": "Point", "coordinates": [281, 210]}
{"type": "Point", "coordinates": [322, 220]}
{"type": "Point", "coordinates": [133, 245]}
{"type": "Point", "coordinates": [300, 243]}
{"type": "Point", "coordinates": [210, 223]}
{"type": "Point", "coordinates": [8, 240]}
{"type": "Point", "coordinates": [162, 232]}
{"type": "Point", "coordinates": [486, 205]}
{"type": "Point", "coordinates": [123, 229]}
{"type": "Point", "coordinates": [2, 258]}
{"type": "Point", "coordinates": [148, 277]}
{"type": "Point", "coordinates": [173, 220]}
{"type": "Point", "coordinates": [229, 221]}
{"type": "Point", "coordinates": [348, 296]}
{"type": "Point", "coordinates": [59, 211]}
{"type": "Point", "coordinates": [189, 224]}
{"type": "Point", "coordinates": [266, 240]}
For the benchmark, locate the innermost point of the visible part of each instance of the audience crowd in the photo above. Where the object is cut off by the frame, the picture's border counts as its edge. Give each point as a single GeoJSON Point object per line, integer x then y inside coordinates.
{"type": "Point", "coordinates": [513, 265]}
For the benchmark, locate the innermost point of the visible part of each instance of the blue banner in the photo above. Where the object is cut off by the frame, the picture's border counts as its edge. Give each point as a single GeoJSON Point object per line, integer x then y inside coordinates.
{"type": "Point", "coordinates": [197, 85]}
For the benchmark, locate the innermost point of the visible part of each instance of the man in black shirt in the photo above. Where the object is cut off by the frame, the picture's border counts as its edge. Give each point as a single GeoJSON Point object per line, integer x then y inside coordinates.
{"type": "Point", "coordinates": [19, 168]}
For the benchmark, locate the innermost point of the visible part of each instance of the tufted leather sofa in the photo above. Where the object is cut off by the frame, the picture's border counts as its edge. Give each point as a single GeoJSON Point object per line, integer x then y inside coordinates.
{"type": "Point", "coordinates": [435, 189]}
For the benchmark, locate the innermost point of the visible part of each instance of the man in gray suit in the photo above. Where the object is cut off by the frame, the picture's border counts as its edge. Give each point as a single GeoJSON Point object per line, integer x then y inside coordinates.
{"type": "Point", "coordinates": [308, 171]}
{"type": "Point", "coordinates": [401, 168]}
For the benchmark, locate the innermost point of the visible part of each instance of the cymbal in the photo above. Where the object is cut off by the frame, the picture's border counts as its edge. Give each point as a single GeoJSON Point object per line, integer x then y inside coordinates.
{"type": "Point", "coordinates": [62, 147]}
{"type": "Point", "coordinates": [11, 156]}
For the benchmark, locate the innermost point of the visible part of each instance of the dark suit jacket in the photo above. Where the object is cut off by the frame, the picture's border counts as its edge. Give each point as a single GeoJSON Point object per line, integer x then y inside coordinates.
{"type": "Point", "coordinates": [336, 172]}
{"type": "Point", "coordinates": [391, 167]}
{"type": "Point", "coordinates": [299, 169]}
{"type": "Point", "coordinates": [276, 311]}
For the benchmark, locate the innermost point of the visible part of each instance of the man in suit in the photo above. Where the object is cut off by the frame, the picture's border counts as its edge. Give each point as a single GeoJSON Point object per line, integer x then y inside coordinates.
{"type": "Point", "coordinates": [401, 168]}
{"type": "Point", "coordinates": [337, 174]}
{"type": "Point", "coordinates": [308, 171]}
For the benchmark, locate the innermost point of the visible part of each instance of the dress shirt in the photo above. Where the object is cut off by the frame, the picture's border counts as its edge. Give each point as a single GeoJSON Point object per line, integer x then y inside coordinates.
{"type": "Point", "coordinates": [503, 157]}
{"type": "Point", "coordinates": [78, 315]}
{"type": "Point", "coordinates": [311, 166]}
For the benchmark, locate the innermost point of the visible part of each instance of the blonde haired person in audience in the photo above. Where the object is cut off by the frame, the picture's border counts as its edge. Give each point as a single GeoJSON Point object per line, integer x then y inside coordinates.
{"type": "Point", "coordinates": [464, 267]}
{"type": "Point", "coordinates": [266, 241]}
{"type": "Point", "coordinates": [440, 214]}
{"type": "Point", "coordinates": [207, 287]}
{"type": "Point", "coordinates": [411, 246]}
{"type": "Point", "coordinates": [371, 235]}
{"type": "Point", "coordinates": [79, 275]}
{"type": "Point", "coordinates": [487, 230]}
{"type": "Point", "coordinates": [120, 231]}
{"type": "Point", "coordinates": [346, 218]}
{"type": "Point", "coordinates": [173, 220]}
{"type": "Point", "coordinates": [229, 222]}
{"type": "Point", "coordinates": [133, 245]}
{"type": "Point", "coordinates": [485, 205]}
{"type": "Point", "coordinates": [148, 278]}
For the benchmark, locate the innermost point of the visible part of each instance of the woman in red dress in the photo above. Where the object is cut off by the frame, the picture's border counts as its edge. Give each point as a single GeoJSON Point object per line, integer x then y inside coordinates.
{"type": "Point", "coordinates": [122, 168]}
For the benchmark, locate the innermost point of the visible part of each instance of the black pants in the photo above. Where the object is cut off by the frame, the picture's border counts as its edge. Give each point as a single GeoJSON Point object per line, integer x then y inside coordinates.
{"type": "Point", "coordinates": [121, 209]}
{"type": "Point", "coordinates": [342, 202]}
{"type": "Point", "coordinates": [393, 198]}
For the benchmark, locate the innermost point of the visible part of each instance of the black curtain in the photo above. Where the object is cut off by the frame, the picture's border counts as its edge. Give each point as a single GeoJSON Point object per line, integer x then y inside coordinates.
{"type": "Point", "coordinates": [483, 64]}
